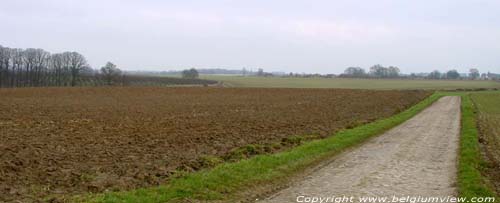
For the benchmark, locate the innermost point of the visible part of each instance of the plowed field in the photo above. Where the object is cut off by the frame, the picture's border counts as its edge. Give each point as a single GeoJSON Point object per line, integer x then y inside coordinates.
{"type": "Point", "coordinates": [57, 141]}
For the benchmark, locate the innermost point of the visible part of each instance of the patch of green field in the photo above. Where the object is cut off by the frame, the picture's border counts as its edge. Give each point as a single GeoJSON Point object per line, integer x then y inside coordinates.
{"type": "Point", "coordinates": [487, 102]}
{"type": "Point", "coordinates": [227, 179]}
{"type": "Point", "coordinates": [282, 82]}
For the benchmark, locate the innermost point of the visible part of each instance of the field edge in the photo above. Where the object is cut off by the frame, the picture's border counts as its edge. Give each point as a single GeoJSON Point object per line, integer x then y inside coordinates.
{"type": "Point", "coordinates": [471, 182]}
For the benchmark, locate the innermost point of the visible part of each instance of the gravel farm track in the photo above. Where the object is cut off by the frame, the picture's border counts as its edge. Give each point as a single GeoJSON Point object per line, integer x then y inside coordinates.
{"type": "Point", "coordinates": [416, 158]}
{"type": "Point", "coordinates": [66, 141]}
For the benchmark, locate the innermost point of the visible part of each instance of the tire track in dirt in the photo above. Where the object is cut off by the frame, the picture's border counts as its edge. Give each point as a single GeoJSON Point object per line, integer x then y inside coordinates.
{"type": "Point", "coordinates": [416, 158]}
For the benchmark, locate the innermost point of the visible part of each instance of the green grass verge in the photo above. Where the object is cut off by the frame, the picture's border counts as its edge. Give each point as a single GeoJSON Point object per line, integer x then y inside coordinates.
{"type": "Point", "coordinates": [470, 181]}
{"type": "Point", "coordinates": [229, 178]}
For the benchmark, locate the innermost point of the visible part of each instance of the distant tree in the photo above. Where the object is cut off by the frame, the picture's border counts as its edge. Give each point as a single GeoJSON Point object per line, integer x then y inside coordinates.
{"type": "Point", "coordinates": [393, 72]}
{"type": "Point", "coordinates": [17, 56]}
{"type": "Point", "coordinates": [379, 71]}
{"type": "Point", "coordinates": [59, 69]}
{"type": "Point", "coordinates": [190, 74]}
{"type": "Point", "coordinates": [355, 72]}
{"type": "Point", "coordinates": [244, 71]}
{"type": "Point", "coordinates": [383, 72]}
{"type": "Point", "coordinates": [37, 67]}
{"type": "Point", "coordinates": [474, 73]}
{"type": "Point", "coordinates": [28, 57]}
{"type": "Point", "coordinates": [260, 72]}
{"type": "Point", "coordinates": [434, 75]}
{"type": "Point", "coordinates": [452, 74]}
{"type": "Point", "coordinates": [5, 58]}
{"type": "Point", "coordinates": [110, 73]}
{"type": "Point", "coordinates": [76, 63]}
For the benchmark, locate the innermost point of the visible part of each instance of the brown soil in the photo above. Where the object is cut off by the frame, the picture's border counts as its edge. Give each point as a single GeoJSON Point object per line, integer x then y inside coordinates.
{"type": "Point", "coordinates": [489, 139]}
{"type": "Point", "coordinates": [65, 141]}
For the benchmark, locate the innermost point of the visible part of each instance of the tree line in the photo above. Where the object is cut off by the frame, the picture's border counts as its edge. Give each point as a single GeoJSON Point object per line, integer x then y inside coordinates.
{"type": "Point", "coordinates": [375, 71]}
{"type": "Point", "coordinates": [378, 71]}
{"type": "Point", "coordinates": [453, 74]}
{"type": "Point", "coordinates": [37, 67]}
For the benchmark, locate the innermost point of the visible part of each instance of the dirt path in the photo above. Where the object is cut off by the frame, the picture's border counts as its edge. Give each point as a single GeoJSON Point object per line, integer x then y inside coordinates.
{"type": "Point", "coordinates": [417, 158]}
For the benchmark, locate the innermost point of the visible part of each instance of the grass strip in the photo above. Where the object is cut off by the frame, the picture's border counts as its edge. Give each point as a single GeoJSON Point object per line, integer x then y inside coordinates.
{"type": "Point", "coordinates": [470, 180]}
{"type": "Point", "coordinates": [229, 178]}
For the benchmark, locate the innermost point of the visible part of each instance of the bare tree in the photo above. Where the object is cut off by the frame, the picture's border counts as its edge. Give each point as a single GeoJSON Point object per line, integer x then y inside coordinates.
{"type": "Point", "coordinates": [4, 65]}
{"type": "Point", "coordinates": [17, 57]}
{"type": "Point", "coordinates": [37, 67]}
{"type": "Point", "coordinates": [110, 73]}
{"type": "Point", "coordinates": [393, 72]}
{"type": "Point", "coordinates": [59, 68]}
{"type": "Point", "coordinates": [76, 62]}
{"type": "Point", "coordinates": [355, 72]}
{"type": "Point", "coordinates": [29, 63]}
{"type": "Point", "coordinates": [378, 71]}
{"type": "Point", "coordinates": [40, 66]}
{"type": "Point", "coordinates": [474, 73]}
{"type": "Point", "coordinates": [190, 74]}
{"type": "Point", "coordinates": [434, 75]}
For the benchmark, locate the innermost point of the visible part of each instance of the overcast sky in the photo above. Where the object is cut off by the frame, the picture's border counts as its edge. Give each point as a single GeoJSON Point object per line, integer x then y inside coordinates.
{"type": "Point", "coordinates": [324, 36]}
